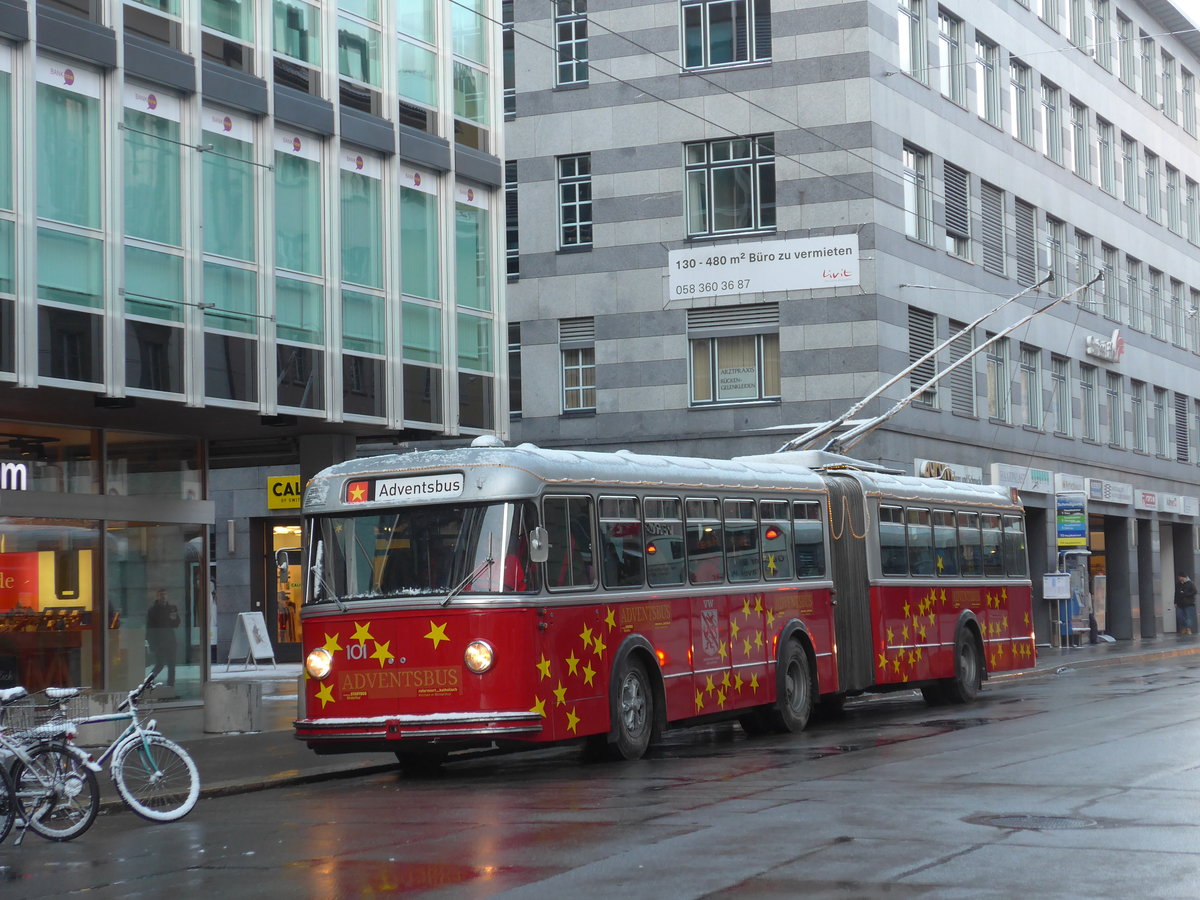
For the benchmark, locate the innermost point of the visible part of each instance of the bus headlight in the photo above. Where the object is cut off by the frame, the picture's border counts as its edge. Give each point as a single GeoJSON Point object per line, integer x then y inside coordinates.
{"type": "Point", "coordinates": [319, 663]}
{"type": "Point", "coordinates": [479, 656]}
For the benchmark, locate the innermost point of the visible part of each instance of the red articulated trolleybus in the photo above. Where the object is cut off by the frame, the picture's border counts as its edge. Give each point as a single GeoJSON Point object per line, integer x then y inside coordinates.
{"type": "Point", "coordinates": [501, 596]}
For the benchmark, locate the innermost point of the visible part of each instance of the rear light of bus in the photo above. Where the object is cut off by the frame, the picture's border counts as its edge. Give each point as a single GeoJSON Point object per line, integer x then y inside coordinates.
{"type": "Point", "coordinates": [319, 663]}
{"type": "Point", "coordinates": [479, 656]}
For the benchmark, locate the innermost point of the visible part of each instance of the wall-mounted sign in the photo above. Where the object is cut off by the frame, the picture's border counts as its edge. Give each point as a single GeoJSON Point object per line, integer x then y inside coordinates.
{"type": "Point", "coordinates": [283, 492]}
{"type": "Point", "coordinates": [14, 476]}
{"type": "Point", "coordinates": [1071, 524]}
{"type": "Point", "coordinates": [1109, 349]}
{"type": "Point", "coordinates": [1147, 500]}
{"type": "Point", "coordinates": [1065, 482]}
{"type": "Point", "coordinates": [1109, 491]}
{"type": "Point", "coordinates": [932, 468]}
{"type": "Point", "coordinates": [790, 265]}
{"type": "Point", "coordinates": [1032, 481]}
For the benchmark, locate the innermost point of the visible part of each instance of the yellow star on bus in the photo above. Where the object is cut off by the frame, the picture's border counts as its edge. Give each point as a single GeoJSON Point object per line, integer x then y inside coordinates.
{"type": "Point", "coordinates": [325, 693]}
{"type": "Point", "coordinates": [437, 633]}
{"type": "Point", "coordinates": [358, 492]}
{"type": "Point", "coordinates": [586, 636]}
{"type": "Point", "coordinates": [725, 680]}
{"type": "Point", "coordinates": [560, 694]}
{"type": "Point", "coordinates": [610, 618]}
{"type": "Point", "coordinates": [746, 646]}
{"type": "Point", "coordinates": [746, 608]}
{"type": "Point", "coordinates": [758, 639]}
{"type": "Point", "coordinates": [362, 633]}
{"type": "Point", "coordinates": [588, 674]}
{"type": "Point", "coordinates": [539, 707]}
{"type": "Point", "coordinates": [572, 662]}
{"type": "Point", "coordinates": [572, 720]}
{"type": "Point", "coordinates": [771, 567]}
{"type": "Point", "coordinates": [598, 646]}
{"type": "Point", "coordinates": [907, 610]}
{"type": "Point", "coordinates": [770, 617]}
{"type": "Point", "coordinates": [383, 652]}
{"type": "Point", "coordinates": [544, 666]}
{"type": "Point", "coordinates": [754, 682]}
{"type": "Point", "coordinates": [758, 607]}
{"type": "Point", "coordinates": [723, 650]}
{"type": "Point", "coordinates": [331, 642]}
{"type": "Point", "coordinates": [721, 699]}
{"type": "Point", "coordinates": [699, 700]}
{"type": "Point", "coordinates": [708, 685]}
{"type": "Point", "coordinates": [882, 661]}
{"type": "Point", "coordinates": [737, 682]}
{"type": "Point", "coordinates": [734, 628]}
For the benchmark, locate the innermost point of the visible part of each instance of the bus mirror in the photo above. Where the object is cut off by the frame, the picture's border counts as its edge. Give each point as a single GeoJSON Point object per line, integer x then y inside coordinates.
{"type": "Point", "coordinates": [539, 545]}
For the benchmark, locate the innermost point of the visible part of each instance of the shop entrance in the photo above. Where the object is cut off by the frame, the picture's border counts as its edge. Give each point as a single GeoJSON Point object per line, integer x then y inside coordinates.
{"type": "Point", "coordinates": [281, 573]}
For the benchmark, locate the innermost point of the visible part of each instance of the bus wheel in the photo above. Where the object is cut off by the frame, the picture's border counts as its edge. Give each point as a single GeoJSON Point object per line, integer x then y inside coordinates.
{"type": "Point", "coordinates": [795, 691]}
{"type": "Point", "coordinates": [635, 710]}
{"type": "Point", "coordinates": [968, 671]}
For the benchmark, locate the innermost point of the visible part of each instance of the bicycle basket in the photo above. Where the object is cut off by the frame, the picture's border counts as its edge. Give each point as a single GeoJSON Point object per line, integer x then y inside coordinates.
{"type": "Point", "coordinates": [27, 719]}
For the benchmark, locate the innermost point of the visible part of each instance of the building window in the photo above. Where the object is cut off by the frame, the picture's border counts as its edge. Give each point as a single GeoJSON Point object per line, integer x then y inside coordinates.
{"type": "Point", "coordinates": [912, 39]}
{"type": "Point", "coordinates": [514, 370]}
{"type": "Point", "coordinates": [1162, 425]}
{"type": "Point", "coordinates": [725, 32]}
{"type": "Point", "coordinates": [571, 39]}
{"type": "Point", "coordinates": [1056, 238]}
{"type": "Point", "coordinates": [1060, 394]}
{"type": "Point", "coordinates": [998, 383]}
{"type": "Point", "coordinates": [1031, 386]}
{"type": "Point", "coordinates": [575, 201]}
{"type": "Point", "coordinates": [1153, 187]}
{"type": "Point", "coordinates": [1137, 409]}
{"type": "Point", "coordinates": [1083, 270]}
{"type": "Point", "coordinates": [1191, 211]}
{"type": "Point", "coordinates": [734, 354]}
{"type": "Point", "coordinates": [730, 185]}
{"type": "Point", "coordinates": [1183, 449]}
{"type": "Point", "coordinates": [1149, 71]}
{"type": "Point", "coordinates": [918, 198]}
{"type": "Point", "coordinates": [1116, 409]}
{"type": "Point", "coordinates": [1108, 156]}
{"type": "Point", "coordinates": [1129, 173]}
{"type": "Point", "coordinates": [1022, 103]}
{"type": "Point", "coordinates": [1126, 52]}
{"type": "Point", "coordinates": [1078, 23]}
{"type": "Point", "coordinates": [1170, 90]}
{"type": "Point", "coordinates": [576, 339]}
{"type": "Point", "coordinates": [508, 47]}
{"type": "Point", "coordinates": [991, 227]}
{"type": "Point", "coordinates": [1089, 402]}
{"type": "Point", "coordinates": [987, 79]}
{"type": "Point", "coordinates": [962, 379]}
{"type": "Point", "coordinates": [1112, 282]}
{"type": "Point", "coordinates": [1175, 315]}
{"type": "Point", "coordinates": [1102, 32]}
{"type": "Point", "coordinates": [1052, 142]}
{"type": "Point", "coordinates": [957, 184]}
{"type": "Point", "coordinates": [1025, 243]}
{"type": "Point", "coordinates": [1187, 83]}
{"type": "Point", "coordinates": [1133, 288]}
{"type": "Point", "coordinates": [1156, 308]}
{"type": "Point", "coordinates": [951, 76]}
{"type": "Point", "coordinates": [922, 338]}
{"type": "Point", "coordinates": [1080, 141]}
{"type": "Point", "coordinates": [512, 246]}
{"type": "Point", "coordinates": [297, 45]}
{"type": "Point", "coordinates": [1048, 13]}
{"type": "Point", "coordinates": [1174, 207]}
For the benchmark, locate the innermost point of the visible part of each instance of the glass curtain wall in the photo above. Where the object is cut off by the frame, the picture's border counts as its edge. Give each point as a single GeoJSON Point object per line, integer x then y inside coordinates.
{"type": "Point", "coordinates": [363, 320]}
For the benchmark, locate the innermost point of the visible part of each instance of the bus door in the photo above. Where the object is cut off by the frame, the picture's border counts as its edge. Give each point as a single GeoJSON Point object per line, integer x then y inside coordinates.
{"type": "Point", "coordinates": [848, 567]}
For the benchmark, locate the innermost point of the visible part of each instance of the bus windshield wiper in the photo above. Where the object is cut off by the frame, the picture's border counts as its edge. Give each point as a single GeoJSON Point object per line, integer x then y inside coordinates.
{"type": "Point", "coordinates": [318, 571]}
{"type": "Point", "coordinates": [479, 569]}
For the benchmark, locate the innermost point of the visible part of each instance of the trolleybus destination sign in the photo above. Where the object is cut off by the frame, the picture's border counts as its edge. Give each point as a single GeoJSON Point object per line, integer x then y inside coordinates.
{"type": "Point", "coordinates": [755, 268]}
{"type": "Point", "coordinates": [399, 490]}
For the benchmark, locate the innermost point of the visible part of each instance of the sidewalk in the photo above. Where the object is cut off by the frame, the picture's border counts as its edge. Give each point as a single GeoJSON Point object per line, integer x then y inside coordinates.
{"type": "Point", "coordinates": [239, 763]}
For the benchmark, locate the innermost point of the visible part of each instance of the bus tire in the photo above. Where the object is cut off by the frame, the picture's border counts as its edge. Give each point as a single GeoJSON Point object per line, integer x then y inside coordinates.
{"type": "Point", "coordinates": [794, 690]}
{"type": "Point", "coordinates": [633, 719]}
{"type": "Point", "coordinates": [968, 670]}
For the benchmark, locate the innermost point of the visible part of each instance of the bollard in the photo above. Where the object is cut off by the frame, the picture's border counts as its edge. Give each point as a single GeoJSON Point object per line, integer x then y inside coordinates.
{"type": "Point", "coordinates": [233, 706]}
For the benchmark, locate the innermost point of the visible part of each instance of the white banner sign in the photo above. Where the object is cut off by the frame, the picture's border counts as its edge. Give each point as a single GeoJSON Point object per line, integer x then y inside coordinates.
{"type": "Point", "coordinates": [1033, 481]}
{"type": "Point", "coordinates": [790, 265]}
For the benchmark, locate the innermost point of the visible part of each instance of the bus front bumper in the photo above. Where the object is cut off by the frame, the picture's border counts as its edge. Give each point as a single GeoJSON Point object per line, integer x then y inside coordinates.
{"type": "Point", "coordinates": [432, 727]}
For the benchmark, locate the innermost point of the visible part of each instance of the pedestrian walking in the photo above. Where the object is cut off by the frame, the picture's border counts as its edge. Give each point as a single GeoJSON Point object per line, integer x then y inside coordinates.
{"type": "Point", "coordinates": [162, 618]}
{"type": "Point", "coordinates": [1185, 604]}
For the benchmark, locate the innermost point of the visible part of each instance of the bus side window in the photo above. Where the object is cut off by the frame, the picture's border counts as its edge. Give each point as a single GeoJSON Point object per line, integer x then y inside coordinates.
{"type": "Point", "coordinates": [741, 540]}
{"type": "Point", "coordinates": [568, 520]}
{"type": "Point", "coordinates": [621, 561]}
{"type": "Point", "coordinates": [776, 539]}
{"type": "Point", "coordinates": [969, 562]}
{"type": "Point", "coordinates": [993, 549]}
{"type": "Point", "coordinates": [1015, 558]}
{"type": "Point", "coordinates": [706, 562]}
{"type": "Point", "coordinates": [664, 541]}
{"type": "Point", "coordinates": [945, 542]}
{"type": "Point", "coordinates": [920, 543]}
{"type": "Point", "coordinates": [809, 539]}
{"type": "Point", "coordinates": [893, 555]}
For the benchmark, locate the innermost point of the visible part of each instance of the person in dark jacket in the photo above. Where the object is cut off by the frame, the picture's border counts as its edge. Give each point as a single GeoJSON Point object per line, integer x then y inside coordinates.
{"type": "Point", "coordinates": [162, 618]}
{"type": "Point", "coordinates": [1185, 605]}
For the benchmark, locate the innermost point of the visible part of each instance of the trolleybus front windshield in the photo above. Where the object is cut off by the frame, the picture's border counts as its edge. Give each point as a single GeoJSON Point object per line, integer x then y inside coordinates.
{"type": "Point", "coordinates": [416, 551]}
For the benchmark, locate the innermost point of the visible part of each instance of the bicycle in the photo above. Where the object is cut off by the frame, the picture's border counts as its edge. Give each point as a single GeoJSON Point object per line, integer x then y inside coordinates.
{"type": "Point", "coordinates": [153, 775]}
{"type": "Point", "coordinates": [51, 785]}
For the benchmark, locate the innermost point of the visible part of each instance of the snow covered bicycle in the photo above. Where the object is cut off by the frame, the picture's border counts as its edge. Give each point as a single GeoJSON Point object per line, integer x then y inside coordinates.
{"type": "Point", "coordinates": [45, 780]}
{"type": "Point", "coordinates": [153, 775]}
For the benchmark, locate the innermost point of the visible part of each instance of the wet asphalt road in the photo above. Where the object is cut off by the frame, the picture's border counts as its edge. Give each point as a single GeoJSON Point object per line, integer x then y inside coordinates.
{"type": "Point", "coordinates": [1082, 784]}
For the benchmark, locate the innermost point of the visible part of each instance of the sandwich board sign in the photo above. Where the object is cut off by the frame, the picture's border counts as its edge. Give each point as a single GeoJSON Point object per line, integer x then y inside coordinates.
{"type": "Point", "coordinates": [250, 641]}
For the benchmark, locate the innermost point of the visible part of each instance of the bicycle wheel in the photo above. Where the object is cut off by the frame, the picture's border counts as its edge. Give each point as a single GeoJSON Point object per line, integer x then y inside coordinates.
{"type": "Point", "coordinates": [156, 778]}
{"type": "Point", "coordinates": [8, 803]}
{"type": "Point", "coordinates": [56, 792]}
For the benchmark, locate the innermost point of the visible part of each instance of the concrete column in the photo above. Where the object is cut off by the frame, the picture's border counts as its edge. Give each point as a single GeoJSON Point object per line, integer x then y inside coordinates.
{"type": "Point", "coordinates": [1041, 561]}
{"type": "Point", "coordinates": [1146, 534]}
{"type": "Point", "coordinates": [1118, 613]}
{"type": "Point", "coordinates": [318, 451]}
